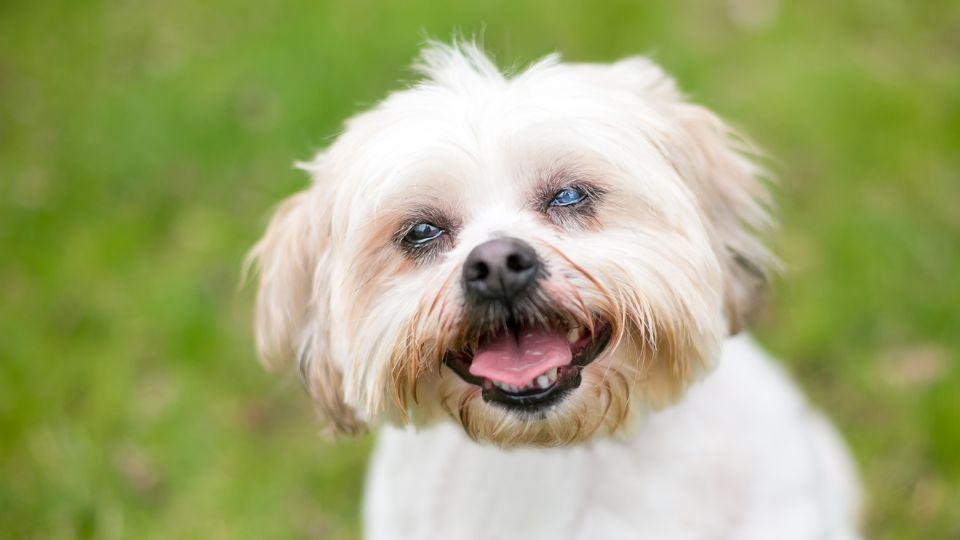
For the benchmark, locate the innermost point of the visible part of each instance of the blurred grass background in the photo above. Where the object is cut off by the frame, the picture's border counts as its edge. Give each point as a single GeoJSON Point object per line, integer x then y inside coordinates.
{"type": "Point", "coordinates": [143, 142]}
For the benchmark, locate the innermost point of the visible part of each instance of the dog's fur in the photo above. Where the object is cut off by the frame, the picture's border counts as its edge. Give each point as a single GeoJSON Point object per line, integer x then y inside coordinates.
{"type": "Point", "coordinates": [668, 251]}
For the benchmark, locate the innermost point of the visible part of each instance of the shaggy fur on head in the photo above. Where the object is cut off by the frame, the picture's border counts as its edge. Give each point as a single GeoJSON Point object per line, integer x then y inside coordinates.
{"type": "Point", "coordinates": [669, 252]}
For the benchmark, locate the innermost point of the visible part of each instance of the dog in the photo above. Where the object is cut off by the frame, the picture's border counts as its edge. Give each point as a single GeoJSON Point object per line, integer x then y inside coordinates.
{"type": "Point", "coordinates": [536, 283]}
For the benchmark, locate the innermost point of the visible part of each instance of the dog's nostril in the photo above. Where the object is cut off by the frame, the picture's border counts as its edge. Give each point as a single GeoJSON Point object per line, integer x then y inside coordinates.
{"type": "Point", "coordinates": [516, 263]}
{"type": "Point", "coordinates": [480, 270]}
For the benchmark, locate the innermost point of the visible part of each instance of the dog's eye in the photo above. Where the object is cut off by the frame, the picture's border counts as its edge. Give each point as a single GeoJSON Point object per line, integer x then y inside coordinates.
{"type": "Point", "coordinates": [422, 233]}
{"type": "Point", "coordinates": [568, 197]}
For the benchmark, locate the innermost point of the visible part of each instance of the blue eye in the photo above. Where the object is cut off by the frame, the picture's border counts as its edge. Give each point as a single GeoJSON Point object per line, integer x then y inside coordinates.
{"type": "Point", "coordinates": [422, 233]}
{"type": "Point", "coordinates": [568, 197]}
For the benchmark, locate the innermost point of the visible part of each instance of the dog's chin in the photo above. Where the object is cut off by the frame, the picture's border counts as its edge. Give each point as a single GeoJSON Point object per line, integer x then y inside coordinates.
{"type": "Point", "coordinates": [527, 368]}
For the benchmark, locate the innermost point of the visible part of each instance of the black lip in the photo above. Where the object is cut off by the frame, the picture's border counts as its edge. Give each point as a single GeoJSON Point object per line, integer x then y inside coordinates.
{"type": "Point", "coordinates": [568, 377]}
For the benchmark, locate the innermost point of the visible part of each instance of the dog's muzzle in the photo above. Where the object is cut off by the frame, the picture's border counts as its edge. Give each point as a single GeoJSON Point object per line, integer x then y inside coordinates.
{"type": "Point", "coordinates": [522, 350]}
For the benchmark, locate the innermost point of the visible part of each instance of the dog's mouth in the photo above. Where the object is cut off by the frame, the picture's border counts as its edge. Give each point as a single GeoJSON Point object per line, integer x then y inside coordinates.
{"type": "Point", "coordinates": [530, 366]}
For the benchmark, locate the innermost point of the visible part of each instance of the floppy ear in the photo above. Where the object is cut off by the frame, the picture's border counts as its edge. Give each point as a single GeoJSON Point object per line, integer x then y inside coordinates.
{"type": "Point", "coordinates": [730, 188]}
{"type": "Point", "coordinates": [731, 192]}
{"type": "Point", "coordinates": [292, 309]}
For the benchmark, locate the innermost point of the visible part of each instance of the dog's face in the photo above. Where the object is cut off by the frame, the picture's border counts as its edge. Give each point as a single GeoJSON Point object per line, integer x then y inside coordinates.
{"type": "Point", "coordinates": [536, 258]}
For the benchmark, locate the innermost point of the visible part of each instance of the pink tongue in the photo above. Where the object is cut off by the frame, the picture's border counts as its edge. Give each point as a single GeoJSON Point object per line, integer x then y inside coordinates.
{"type": "Point", "coordinates": [517, 359]}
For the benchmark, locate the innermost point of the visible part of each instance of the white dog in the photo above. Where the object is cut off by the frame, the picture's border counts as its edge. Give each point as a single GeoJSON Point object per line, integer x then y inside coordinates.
{"type": "Point", "coordinates": [533, 280]}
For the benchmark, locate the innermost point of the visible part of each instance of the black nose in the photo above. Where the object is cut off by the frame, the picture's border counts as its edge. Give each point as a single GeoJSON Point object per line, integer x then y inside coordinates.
{"type": "Point", "coordinates": [500, 269]}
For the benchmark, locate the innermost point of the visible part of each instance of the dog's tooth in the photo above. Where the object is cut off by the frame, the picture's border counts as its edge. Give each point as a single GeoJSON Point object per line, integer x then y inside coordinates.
{"type": "Point", "coordinates": [573, 335]}
{"type": "Point", "coordinates": [552, 375]}
{"type": "Point", "coordinates": [543, 381]}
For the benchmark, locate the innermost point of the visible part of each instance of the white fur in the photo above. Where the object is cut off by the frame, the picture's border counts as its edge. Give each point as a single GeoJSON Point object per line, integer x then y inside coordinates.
{"type": "Point", "coordinates": [668, 253]}
{"type": "Point", "coordinates": [741, 456]}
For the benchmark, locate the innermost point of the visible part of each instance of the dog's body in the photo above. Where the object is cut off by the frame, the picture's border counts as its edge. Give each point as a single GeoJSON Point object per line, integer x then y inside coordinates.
{"type": "Point", "coordinates": [536, 276]}
{"type": "Point", "coordinates": [741, 456]}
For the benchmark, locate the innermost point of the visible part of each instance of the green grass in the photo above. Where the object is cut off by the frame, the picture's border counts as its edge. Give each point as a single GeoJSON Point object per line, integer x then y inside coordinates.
{"type": "Point", "coordinates": [142, 145]}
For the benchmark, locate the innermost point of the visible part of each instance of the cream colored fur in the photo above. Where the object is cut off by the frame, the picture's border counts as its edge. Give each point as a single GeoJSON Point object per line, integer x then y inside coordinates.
{"type": "Point", "coordinates": [673, 257]}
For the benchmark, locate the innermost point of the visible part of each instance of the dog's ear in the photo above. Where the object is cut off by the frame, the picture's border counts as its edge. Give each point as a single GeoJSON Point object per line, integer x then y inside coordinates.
{"type": "Point", "coordinates": [292, 308]}
{"type": "Point", "coordinates": [731, 189]}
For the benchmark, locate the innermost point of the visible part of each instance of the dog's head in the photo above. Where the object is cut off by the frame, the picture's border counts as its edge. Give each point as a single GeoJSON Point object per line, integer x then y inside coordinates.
{"type": "Point", "coordinates": [535, 257]}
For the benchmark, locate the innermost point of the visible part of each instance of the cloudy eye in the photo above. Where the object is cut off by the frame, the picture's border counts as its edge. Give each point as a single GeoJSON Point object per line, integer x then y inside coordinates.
{"type": "Point", "coordinates": [568, 197]}
{"type": "Point", "coordinates": [422, 233]}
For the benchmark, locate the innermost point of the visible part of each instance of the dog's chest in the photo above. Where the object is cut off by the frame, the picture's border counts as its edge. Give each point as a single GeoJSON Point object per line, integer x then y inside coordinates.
{"type": "Point", "coordinates": [436, 485]}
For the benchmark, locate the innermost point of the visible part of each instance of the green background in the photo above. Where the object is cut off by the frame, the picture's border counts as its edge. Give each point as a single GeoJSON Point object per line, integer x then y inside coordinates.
{"type": "Point", "coordinates": [143, 143]}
